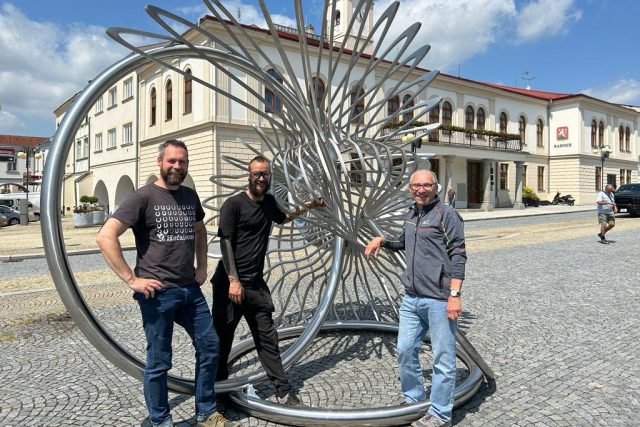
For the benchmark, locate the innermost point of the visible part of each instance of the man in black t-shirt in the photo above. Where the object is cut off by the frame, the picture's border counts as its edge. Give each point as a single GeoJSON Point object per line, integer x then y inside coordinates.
{"type": "Point", "coordinates": [166, 219]}
{"type": "Point", "coordinates": [238, 285]}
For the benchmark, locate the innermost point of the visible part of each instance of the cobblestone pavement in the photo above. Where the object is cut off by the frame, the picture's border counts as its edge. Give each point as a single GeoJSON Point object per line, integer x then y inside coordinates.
{"type": "Point", "coordinates": [551, 310]}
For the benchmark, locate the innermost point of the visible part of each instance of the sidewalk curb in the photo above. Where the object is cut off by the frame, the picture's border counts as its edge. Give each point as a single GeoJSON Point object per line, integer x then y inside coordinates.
{"type": "Point", "coordinates": [510, 214]}
{"type": "Point", "coordinates": [22, 257]}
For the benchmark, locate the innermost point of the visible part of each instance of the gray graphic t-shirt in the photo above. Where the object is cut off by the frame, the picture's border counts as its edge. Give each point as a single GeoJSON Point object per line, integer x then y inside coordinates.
{"type": "Point", "coordinates": [163, 223]}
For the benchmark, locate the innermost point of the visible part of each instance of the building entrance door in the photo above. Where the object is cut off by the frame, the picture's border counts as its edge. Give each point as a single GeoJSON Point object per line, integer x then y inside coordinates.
{"type": "Point", "coordinates": [474, 183]}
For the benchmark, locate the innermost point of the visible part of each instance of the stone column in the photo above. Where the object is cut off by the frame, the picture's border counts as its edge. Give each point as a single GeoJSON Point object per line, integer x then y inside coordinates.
{"type": "Point", "coordinates": [448, 175]}
{"type": "Point", "coordinates": [518, 202]}
{"type": "Point", "coordinates": [487, 203]}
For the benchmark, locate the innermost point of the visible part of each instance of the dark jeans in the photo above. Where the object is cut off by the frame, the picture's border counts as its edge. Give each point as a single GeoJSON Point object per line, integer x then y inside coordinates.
{"type": "Point", "coordinates": [257, 308]}
{"type": "Point", "coordinates": [188, 308]}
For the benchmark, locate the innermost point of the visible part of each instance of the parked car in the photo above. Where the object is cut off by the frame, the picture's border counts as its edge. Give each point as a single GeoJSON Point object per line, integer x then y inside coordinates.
{"type": "Point", "coordinates": [627, 199]}
{"type": "Point", "coordinates": [34, 215]}
{"type": "Point", "coordinates": [3, 221]}
{"type": "Point", "coordinates": [12, 216]}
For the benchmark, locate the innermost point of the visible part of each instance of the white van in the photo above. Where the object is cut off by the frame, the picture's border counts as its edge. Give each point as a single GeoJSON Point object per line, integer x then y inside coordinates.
{"type": "Point", "coordinates": [13, 201]}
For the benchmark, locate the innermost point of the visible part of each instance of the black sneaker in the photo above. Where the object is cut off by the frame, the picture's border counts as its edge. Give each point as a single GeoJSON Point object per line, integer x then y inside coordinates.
{"type": "Point", "coordinates": [601, 236]}
{"type": "Point", "coordinates": [290, 399]}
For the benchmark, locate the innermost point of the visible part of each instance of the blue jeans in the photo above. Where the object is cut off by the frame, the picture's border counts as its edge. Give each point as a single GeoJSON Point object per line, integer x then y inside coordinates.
{"type": "Point", "coordinates": [417, 316]}
{"type": "Point", "coordinates": [188, 308]}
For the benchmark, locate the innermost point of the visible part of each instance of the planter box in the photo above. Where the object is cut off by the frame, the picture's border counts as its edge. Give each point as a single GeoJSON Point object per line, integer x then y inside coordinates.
{"type": "Point", "coordinates": [99, 217]}
{"type": "Point", "coordinates": [83, 220]}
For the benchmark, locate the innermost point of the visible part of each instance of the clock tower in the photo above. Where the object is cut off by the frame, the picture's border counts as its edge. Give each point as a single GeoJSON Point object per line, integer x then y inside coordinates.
{"type": "Point", "coordinates": [345, 10]}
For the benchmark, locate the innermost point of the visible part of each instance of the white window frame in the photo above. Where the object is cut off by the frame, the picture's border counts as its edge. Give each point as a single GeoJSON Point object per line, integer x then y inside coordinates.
{"type": "Point", "coordinates": [111, 138]}
{"type": "Point", "coordinates": [113, 96]}
{"type": "Point", "coordinates": [127, 133]}
{"type": "Point", "coordinates": [127, 88]}
{"type": "Point", "coordinates": [99, 106]}
{"type": "Point", "coordinates": [98, 142]}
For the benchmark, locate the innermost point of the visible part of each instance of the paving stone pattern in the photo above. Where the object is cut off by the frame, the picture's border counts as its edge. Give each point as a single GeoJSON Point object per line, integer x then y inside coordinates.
{"type": "Point", "coordinates": [557, 321]}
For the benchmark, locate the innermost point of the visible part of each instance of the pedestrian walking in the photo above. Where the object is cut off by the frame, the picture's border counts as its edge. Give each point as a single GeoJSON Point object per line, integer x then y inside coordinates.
{"type": "Point", "coordinates": [606, 211]}
{"type": "Point", "coordinates": [451, 197]}
{"type": "Point", "coordinates": [167, 222]}
{"type": "Point", "coordinates": [239, 289]}
{"type": "Point", "coordinates": [433, 240]}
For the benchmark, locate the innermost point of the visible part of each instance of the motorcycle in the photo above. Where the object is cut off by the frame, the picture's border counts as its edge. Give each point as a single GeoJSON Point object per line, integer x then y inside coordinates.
{"type": "Point", "coordinates": [563, 200]}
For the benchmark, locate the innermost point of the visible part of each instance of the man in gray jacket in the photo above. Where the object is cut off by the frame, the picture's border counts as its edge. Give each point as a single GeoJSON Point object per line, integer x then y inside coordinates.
{"type": "Point", "coordinates": [433, 239]}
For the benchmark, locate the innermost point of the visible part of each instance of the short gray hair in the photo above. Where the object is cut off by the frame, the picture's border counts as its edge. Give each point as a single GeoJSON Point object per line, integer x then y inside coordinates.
{"type": "Point", "coordinates": [434, 177]}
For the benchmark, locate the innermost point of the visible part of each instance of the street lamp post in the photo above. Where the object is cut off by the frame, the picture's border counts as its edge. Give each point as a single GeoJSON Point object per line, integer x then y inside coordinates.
{"type": "Point", "coordinates": [604, 153]}
{"type": "Point", "coordinates": [26, 153]}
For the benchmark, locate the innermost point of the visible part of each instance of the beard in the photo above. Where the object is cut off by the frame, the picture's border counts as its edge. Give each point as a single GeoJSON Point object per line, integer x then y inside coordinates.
{"type": "Point", "coordinates": [258, 189]}
{"type": "Point", "coordinates": [173, 177]}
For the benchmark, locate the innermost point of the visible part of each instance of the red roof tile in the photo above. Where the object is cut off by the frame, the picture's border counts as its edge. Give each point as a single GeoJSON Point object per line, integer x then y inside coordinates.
{"type": "Point", "coordinates": [19, 140]}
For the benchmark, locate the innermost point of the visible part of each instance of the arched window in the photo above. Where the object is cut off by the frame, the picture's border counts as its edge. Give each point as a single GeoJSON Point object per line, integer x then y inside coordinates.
{"type": "Point", "coordinates": [504, 120]}
{"type": "Point", "coordinates": [447, 113]}
{"type": "Point", "coordinates": [539, 133]}
{"type": "Point", "coordinates": [522, 128]}
{"type": "Point", "coordinates": [153, 106]}
{"type": "Point", "coordinates": [481, 119]}
{"type": "Point", "coordinates": [319, 89]}
{"type": "Point", "coordinates": [393, 105]}
{"type": "Point", "coordinates": [621, 137]}
{"type": "Point", "coordinates": [469, 117]}
{"type": "Point", "coordinates": [272, 102]}
{"type": "Point", "coordinates": [628, 139]}
{"type": "Point", "coordinates": [594, 132]}
{"type": "Point", "coordinates": [434, 117]}
{"type": "Point", "coordinates": [601, 134]}
{"type": "Point", "coordinates": [169, 100]}
{"type": "Point", "coordinates": [357, 104]}
{"type": "Point", "coordinates": [187, 92]}
{"type": "Point", "coordinates": [407, 102]}
{"type": "Point", "coordinates": [337, 18]}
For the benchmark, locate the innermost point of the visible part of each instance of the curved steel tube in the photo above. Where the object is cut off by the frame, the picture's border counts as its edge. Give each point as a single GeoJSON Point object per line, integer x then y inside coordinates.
{"type": "Point", "coordinates": [58, 262]}
{"type": "Point", "coordinates": [318, 154]}
{"type": "Point", "coordinates": [377, 416]}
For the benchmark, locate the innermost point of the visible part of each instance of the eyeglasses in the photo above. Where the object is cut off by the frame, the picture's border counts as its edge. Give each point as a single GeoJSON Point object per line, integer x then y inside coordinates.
{"type": "Point", "coordinates": [257, 175]}
{"type": "Point", "coordinates": [426, 186]}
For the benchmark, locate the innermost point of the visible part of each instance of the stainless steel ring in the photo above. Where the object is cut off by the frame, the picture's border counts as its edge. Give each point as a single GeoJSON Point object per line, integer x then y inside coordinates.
{"type": "Point", "coordinates": [375, 416]}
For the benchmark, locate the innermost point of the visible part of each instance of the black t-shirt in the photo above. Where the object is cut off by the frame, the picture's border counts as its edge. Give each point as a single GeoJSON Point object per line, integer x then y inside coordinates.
{"type": "Point", "coordinates": [163, 223]}
{"type": "Point", "coordinates": [248, 225]}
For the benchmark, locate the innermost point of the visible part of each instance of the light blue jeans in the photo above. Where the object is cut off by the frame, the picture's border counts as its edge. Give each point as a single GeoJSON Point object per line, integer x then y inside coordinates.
{"type": "Point", "coordinates": [417, 316]}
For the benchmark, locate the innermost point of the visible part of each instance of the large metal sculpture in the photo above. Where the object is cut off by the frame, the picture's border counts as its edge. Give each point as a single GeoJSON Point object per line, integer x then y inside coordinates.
{"type": "Point", "coordinates": [326, 137]}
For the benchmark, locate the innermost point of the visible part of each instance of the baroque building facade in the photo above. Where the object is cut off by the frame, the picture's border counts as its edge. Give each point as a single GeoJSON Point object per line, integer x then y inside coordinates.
{"type": "Point", "coordinates": [495, 140]}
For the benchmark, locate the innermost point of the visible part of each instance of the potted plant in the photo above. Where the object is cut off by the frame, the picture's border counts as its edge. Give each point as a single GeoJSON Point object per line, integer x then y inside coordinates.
{"type": "Point", "coordinates": [527, 196]}
{"type": "Point", "coordinates": [82, 218]}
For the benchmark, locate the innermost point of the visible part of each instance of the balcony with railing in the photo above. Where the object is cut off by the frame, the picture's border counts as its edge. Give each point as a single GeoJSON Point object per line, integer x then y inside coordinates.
{"type": "Point", "coordinates": [453, 135]}
{"type": "Point", "coordinates": [308, 32]}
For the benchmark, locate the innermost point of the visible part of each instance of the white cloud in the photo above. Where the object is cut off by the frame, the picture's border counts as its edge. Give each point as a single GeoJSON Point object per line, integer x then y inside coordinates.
{"type": "Point", "coordinates": [545, 18]}
{"type": "Point", "coordinates": [10, 123]}
{"type": "Point", "coordinates": [456, 30]}
{"type": "Point", "coordinates": [42, 64]}
{"type": "Point", "coordinates": [623, 91]}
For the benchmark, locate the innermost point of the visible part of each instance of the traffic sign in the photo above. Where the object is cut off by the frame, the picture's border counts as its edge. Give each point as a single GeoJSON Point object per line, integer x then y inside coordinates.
{"type": "Point", "coordinates": [7, 159]}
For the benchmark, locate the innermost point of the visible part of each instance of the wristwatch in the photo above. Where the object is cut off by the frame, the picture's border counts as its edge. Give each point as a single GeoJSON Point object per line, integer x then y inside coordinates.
{"type": "Point", "coordinates": [455, 293]}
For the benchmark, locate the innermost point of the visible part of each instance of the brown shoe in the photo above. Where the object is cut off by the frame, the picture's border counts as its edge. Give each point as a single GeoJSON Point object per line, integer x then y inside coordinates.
{"type": "Point", "coordinates": [217, 420]}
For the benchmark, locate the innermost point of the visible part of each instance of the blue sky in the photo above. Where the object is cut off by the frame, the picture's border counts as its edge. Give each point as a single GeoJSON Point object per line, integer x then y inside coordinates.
{"type": "Point", "coordinates": [49, 50]}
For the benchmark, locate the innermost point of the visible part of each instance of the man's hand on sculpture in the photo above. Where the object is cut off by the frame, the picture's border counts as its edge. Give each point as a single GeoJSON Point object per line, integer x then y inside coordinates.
{"type": "Point", "coordinates": [374, 246]}
{"type": "Point", "coordinates": [236, 291]}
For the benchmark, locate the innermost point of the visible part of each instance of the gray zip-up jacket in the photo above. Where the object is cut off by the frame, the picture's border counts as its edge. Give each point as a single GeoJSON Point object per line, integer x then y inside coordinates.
{"type": "Point", "coordinates": [433, 240]}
